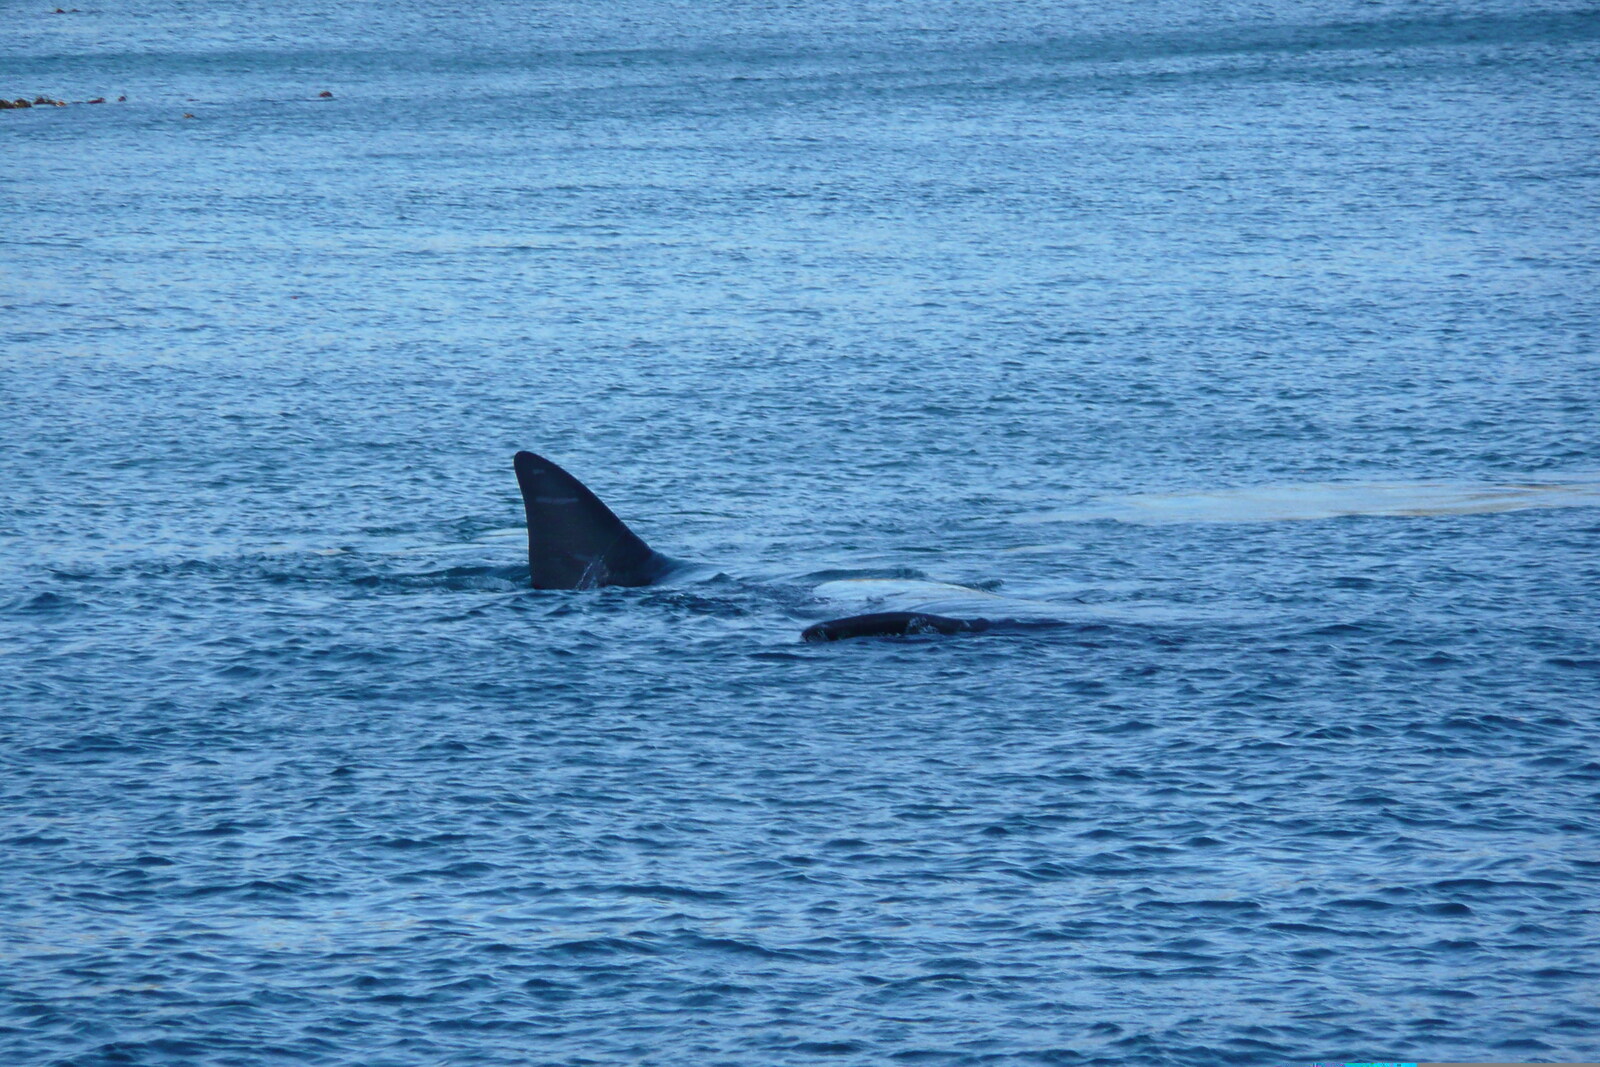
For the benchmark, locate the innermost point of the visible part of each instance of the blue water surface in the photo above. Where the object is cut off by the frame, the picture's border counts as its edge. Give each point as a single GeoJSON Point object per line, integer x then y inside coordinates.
{"type": "Point", "coordinates": [1257, 341]}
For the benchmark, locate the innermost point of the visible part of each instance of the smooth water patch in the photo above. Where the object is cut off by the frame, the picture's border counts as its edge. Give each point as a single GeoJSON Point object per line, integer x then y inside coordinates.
{"type": "Point", "coordinates": [1334, 500]}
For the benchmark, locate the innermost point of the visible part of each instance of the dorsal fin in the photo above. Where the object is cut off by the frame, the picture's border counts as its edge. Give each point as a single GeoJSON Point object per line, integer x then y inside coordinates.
{"type": "Point", "coordinates": [574, 540]}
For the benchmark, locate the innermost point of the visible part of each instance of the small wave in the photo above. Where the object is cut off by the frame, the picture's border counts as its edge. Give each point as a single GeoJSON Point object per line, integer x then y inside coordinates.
{"type": "Point", "coordinates": [736, 947]}
{"type": "Point", "coordinates": [47, 604]}
{"type": "Point", "coordinates": [455, 579]}
{"type": "Point", "coordinates": [85, 743]}
{"type": "Point", "coordinates": [604, 946]}
{"type": "Point", "coordinates": [669, 892]}
{"type": "Point", "coordinates": [253, 889]}
{"type": "Point", "coordinates": [909, 574]}
{"type": "Point", "coordinates": [1203, 905]}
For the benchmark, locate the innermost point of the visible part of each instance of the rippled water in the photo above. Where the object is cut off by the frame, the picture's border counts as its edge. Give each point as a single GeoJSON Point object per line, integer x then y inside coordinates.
{"type": "Point", "coordinates": [1255, 348]}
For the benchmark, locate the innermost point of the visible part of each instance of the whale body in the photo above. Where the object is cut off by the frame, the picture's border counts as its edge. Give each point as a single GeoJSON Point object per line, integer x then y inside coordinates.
{"type": "Point", "coordinates": [576, 542]}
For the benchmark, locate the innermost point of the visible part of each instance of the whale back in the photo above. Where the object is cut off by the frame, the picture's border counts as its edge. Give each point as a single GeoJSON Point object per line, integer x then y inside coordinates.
{"type": "Point", "coordinates": [574, 540]}
{"type": "Point", "coordinates": [891, 624]}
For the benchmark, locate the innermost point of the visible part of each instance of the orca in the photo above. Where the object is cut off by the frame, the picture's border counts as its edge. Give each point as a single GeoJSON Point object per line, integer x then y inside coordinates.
{"type": "Point", "coordinates": [576, 542]}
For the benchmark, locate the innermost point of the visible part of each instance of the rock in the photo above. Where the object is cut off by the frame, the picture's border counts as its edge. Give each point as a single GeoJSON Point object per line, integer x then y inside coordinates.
{"type": "Point", "coordinates": [325, 95]}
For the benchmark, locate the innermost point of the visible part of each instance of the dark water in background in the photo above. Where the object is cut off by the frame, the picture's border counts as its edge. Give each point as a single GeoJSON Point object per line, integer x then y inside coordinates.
{"type": "Point", "coordinates": [1263, 342]}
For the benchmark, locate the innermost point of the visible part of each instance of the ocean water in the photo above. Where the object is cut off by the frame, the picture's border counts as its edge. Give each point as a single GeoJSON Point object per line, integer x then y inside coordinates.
{"type": "Point", "coordinates": [1255, 344]}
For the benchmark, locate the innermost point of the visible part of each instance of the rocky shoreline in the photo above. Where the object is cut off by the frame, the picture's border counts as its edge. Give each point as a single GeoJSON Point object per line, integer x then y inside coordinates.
{"type": "Point", "coordinates": [45, 101]}
{"type": "Point", "coordinates": [21, 102]}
